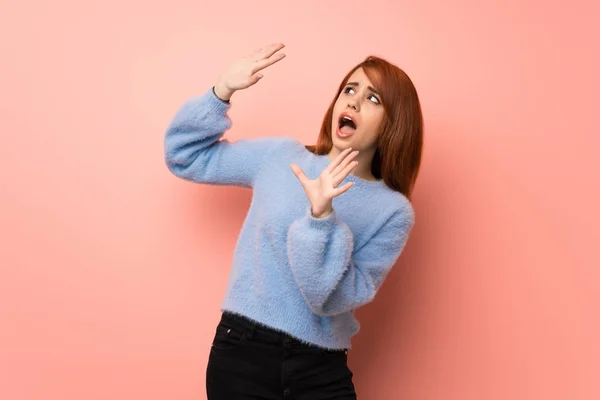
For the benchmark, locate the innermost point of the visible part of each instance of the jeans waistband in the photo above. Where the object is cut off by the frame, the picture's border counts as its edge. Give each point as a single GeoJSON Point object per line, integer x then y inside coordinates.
{"type": "Point", "coordinates": [253, 329]}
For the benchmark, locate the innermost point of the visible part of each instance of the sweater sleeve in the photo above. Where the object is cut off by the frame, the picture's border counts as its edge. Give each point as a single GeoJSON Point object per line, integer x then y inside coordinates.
{"type": "Point", "coordinates": [195, 150]}
{"type": "Point", "coordinates": [332, 275]}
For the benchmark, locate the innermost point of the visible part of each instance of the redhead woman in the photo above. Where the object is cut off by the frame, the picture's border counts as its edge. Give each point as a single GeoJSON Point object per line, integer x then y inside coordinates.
{"type": "Point", "coordinates": [326, 224]}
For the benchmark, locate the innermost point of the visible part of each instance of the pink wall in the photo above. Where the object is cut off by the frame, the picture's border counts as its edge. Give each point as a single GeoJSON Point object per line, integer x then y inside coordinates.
{"type": "Point", "coordinates": [112, 270]}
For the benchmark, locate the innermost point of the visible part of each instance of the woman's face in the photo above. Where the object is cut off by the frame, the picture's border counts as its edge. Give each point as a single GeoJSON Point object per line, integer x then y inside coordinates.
{"type": "Point", "coordinates": [357, 115]}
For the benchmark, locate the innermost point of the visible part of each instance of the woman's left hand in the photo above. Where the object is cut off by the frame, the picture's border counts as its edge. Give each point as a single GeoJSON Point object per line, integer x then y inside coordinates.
{"type": "Point", "coordinates": [323, 189]}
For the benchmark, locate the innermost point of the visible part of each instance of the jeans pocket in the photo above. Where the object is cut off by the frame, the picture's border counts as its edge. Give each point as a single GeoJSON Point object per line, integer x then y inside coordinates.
{"type": "Point", "coordinates": [227, 337]}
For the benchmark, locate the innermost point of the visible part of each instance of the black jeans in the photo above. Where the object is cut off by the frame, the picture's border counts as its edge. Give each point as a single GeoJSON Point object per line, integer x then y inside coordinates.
{"type": "Point", "coordinates": [248, 361]}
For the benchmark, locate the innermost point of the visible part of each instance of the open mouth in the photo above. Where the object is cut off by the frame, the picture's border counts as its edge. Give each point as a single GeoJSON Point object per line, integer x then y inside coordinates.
{"type": "Point", "coordinates": [346, 126]}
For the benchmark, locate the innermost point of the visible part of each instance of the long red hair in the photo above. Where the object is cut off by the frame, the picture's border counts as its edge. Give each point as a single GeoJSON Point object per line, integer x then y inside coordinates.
{"type": "Point", "coordinates": [400, 143]}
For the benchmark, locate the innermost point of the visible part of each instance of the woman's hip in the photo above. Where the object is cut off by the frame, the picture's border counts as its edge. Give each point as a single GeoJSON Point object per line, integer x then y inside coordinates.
{"type": "Point", "coordinates": [248, 359]}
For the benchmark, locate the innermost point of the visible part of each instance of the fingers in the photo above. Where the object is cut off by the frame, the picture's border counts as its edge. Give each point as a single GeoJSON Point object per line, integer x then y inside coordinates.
{"type": "Point", "coordinates": [340, 176]}
{"type": "Point", "coordinates": [332, 165]}
{"type": "Point", "coordinates": [272, 49]}
{"type": "Point", "coordinates": [299, 173]}
{"type": "Point", "coordinates": [267, 51]}
{"type": "Point", "coordinates": [344, 163]}
{"type": "Point", "coordinates": [262, 64]}
{"type": "Point", "coordinates": [255, 78]}
{"type": "Point", "coordinates": [342, 189]}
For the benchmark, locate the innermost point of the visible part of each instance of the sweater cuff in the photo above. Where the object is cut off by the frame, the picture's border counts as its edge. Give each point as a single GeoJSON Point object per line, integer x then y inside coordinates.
{"type": "Point", "coordinates": [218, 98]}
{"type": "Point", "coordinates": [215, 103]}
{"type": "Point", "coordinates": [320, 223]}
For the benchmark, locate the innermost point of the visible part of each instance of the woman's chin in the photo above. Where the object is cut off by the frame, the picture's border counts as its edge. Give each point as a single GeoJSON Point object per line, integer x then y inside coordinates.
{"type": "Point", "coordinates": [341, 144]}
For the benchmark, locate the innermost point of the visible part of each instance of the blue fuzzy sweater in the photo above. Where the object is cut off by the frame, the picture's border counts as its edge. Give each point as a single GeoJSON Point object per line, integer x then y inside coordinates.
{"type": "Point", "coordinates": [292, 272]}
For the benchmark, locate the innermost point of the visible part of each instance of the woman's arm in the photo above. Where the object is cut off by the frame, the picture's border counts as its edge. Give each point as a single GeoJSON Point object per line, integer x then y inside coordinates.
{"type": "Point", "coordinates": [333, 276]}
{"type": "Point", "coordinates": [196, 151]}
{"type": "Point", "coordinates": [194, 147]}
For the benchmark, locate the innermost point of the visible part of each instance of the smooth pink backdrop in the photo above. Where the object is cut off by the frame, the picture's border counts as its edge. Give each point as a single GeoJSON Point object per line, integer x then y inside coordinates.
{"type": "Point", "coordinates": [113, 270]}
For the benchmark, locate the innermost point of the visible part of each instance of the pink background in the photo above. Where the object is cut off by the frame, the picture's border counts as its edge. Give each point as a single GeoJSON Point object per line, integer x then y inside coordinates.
{"type": "Point", "coordinates": [113, 270]}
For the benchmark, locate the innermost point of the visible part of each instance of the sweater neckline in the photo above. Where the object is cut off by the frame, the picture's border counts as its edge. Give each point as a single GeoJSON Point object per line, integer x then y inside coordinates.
{"type": "Point", "coordinates": [324, 158]}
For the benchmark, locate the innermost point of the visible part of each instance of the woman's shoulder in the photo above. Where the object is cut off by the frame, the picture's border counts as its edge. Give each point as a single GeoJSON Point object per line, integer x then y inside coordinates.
{"type": "Point", "coordinates": [291, 143]}
{"type": "Point", "coordinates": [397, 206]}
{"type": "Point", "coordinates": [282, 142]}
{"type": "Point", "coordinates": [285, 147]}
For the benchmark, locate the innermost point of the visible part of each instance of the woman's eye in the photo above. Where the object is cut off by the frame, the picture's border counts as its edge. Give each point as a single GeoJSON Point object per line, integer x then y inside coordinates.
{"type": "Point", "coordinates": [372, 97]}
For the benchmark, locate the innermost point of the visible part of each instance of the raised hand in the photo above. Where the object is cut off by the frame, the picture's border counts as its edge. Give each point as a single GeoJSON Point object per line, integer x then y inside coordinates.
{"type": "Point", "coordinates": [244, 72]}
{"type": "Point", "coordinates": [324, 188]}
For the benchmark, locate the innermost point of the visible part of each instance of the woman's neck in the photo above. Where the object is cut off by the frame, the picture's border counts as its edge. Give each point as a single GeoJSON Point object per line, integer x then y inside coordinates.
{"type": "Point", "coordinates": [363, 169]}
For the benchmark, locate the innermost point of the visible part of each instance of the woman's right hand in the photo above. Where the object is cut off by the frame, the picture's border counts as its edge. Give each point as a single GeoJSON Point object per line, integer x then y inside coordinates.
{"type": "Point", "coordinates": [244, 73]}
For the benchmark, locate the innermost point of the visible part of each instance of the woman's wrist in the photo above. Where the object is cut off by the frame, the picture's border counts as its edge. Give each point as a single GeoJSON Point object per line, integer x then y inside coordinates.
{"type": "Point", "coordinates": [222, 93]}
{"type": "Point", "coordinates": [322, 214]}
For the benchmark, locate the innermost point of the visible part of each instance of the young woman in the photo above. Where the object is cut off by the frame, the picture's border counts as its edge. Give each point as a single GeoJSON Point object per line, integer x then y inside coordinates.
{"type": "Point", "coordinates": [325, 226]}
